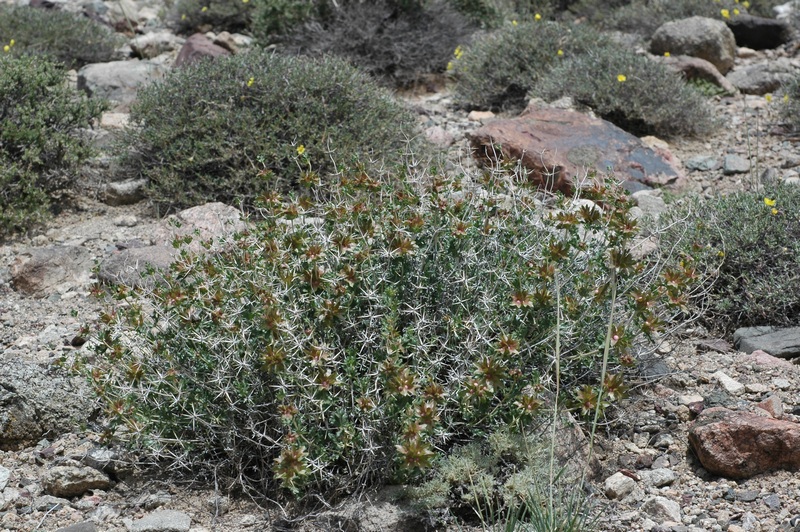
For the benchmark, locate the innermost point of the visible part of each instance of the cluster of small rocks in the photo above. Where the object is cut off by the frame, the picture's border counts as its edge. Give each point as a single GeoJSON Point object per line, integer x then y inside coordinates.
{"type": "Point", "coordinates": [708, 445]}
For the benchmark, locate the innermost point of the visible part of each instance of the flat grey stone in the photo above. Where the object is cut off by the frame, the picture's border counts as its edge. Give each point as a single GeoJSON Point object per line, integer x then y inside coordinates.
{"type": "Point", "coordinates": [735, 164]}
{"type": "Point", "coordinates": [662, 509]}
{"type": "Point", "coordinates": [162, 521]}
{"type": "Point", "coordinates": [5, 474]}
{"type": "Point", "coordinates": [124, 192]}
{"type": "Point", "coordinates": [701, 163]}
{"type": "Point", "coordinates": [85, 526]}
{"type": "Point", "coordinates": [778, 342]}
{"type": "Point", "coordinates": [129, 266]}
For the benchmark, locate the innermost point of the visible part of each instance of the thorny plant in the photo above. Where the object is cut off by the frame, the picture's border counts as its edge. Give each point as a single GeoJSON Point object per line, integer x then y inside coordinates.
{"type": "Point", "coordinates": [346, 342]}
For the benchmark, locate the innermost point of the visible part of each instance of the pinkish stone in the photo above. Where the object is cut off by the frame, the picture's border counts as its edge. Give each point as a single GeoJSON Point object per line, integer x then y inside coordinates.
{"type": "Point", "coordinates": [197, 47]}
{"type": "Point", "coordinates": [741, 444]}
{"type": "Point", "coordinates": [560, 147]}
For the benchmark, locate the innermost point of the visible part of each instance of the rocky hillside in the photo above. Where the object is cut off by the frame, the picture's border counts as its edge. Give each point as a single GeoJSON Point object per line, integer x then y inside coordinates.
{"type": "Point", "coordinates": [709, 438]}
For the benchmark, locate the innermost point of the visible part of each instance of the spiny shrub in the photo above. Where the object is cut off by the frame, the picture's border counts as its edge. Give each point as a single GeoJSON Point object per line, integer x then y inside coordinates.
{"type": "Point", "coordinates": [498, 71]}
{"type": "Point", "coordinates": [40, 143]}
{"type": "Point", "coordinates": [748, 247]}
{"type": "Point", "coordinates": [190, 16]}
{"type": "Point", "coordinates": [397, 47]}
{"type": "Point", "coordinates": [644, 17]}
{"type": "Point", "coordinates": [264, 123]}
{"type": "Point", "coordinates": [508, 477]}
{"type": "Point", "coordinates": [632, 91]}
{"type": "Point", "coordinates": [65, 37]}
{"type": "Point", "coordinates": [343, 343]}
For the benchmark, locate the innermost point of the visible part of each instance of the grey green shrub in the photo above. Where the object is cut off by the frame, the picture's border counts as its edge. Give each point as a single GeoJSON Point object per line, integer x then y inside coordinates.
{"type": "Point", "coordinates": [344, 343]}
{"type": "Point", "coordinates": [241, 136]}
{"type": "Point", "coordinates": [644, 17]}
{"type": "Point", "coordinates": [789, 103]}
{"type": "Point", "coordinates": [41, 146]}
{"type": "Point", "coordinates": [498, 71]}
{"type": "Point", "coordinates": [190, 16]}
{"type": "Point", "coordinates": [71, 39]}
{"type": "Point", "coordinates": [632, 91]}
{"type": "Point", "coordinates": [400, 48]}
{"type": "Point", "coordinates": [747, 253]}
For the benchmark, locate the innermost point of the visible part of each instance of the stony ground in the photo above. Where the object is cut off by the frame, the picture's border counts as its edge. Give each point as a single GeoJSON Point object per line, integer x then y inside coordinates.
{"type": "Point", "coordinates": [648, 440]}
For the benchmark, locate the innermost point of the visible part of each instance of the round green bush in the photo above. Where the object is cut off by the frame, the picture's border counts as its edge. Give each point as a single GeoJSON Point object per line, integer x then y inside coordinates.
{"type": "Point", "coordinates": [344, 343]}
{"type": "Point", "coordinates": [266, 122]}
{"type": "Point", "coordinates": [71, 39]}
{"type": "Point", "coordinates": [398, 47]}
{"type": "Point", "coordinates": [40, 143]}
{"type": "Point", "coordinates": [634, 92]}
{"type": "Point", "coordinates": [747, 246]}
{"type": "Point", "coordinates": [498, 71]}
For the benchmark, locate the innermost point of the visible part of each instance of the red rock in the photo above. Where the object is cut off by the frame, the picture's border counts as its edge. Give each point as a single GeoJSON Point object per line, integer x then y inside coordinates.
{"type": "Point", "coordinates": [559, 147]}
{"type": "Point", "coordinates": [197, 47]}
{"type": "Point", "coordinates": [741, 445]}
{"type": "Point", "coordinates": [773, 406]}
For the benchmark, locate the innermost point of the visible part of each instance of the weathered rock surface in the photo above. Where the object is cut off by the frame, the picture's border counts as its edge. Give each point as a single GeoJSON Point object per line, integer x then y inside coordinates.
{"type": "Point", "coordinates": [759, 33]}
{"type": "Point", "coordinates": [36, 403]}
{"type": "Point", "coordinates": [741, 445]}
{"type": "Point", "coordinates": [162, 521]}
{"type": "Point", "coordinates": [701, 37]}
{"type": "Point", "coordinates": [698, 68]}
{"type": "Point", "coordinates": [153, 44]}
{"type": "Point", "coordinates": [71, 481]}
{"type": "Point", "coordinates": [560, 147]}
{"type": "Point", "coordinates": [40, 271]}
{"type": "Point", "coordinates": [778, 342]}
{"type": "Point", "coordinates": [762, 78]}
{"type": "Point", "coordinates": [197, 47]}
{"type": "Point", "coordinates": [118, 81]}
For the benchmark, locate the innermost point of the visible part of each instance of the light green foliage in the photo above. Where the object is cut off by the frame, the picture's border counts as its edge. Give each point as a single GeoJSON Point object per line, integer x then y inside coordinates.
{"type": "Point", "coordinates": [497, 71]}
{"type": "Point", "coordinates": [650, 99]}
{"type": "Point", "coordinates": [58, 35]}
{"type": "Point", "coordinates": [190, 16]}
{"type": "Point", "coordinates": [235, 138]}
{"type": "Point", "coordinates": [40, 143]}
{"type": "Point", "coordinates": [342, 343]}
{"type": "Point", "coordinates": [747, 255]}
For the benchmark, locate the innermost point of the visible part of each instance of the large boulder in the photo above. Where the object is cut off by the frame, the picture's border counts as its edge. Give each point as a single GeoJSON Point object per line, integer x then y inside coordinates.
{"type": "Point", "coordinates": [741, 445]}
{"type": "Point", "coordinates": [39, 272]}
{"type": "Point", "coordinates": [701, 37]}
{"type": "Point", "coordinates": [118, 81]}
{"type": "Point", "coordinates": [560, 147]}
{"type": "Point", "coordinates": [778, 342]}
{"type": "Point", "coordinates": [37, 403]}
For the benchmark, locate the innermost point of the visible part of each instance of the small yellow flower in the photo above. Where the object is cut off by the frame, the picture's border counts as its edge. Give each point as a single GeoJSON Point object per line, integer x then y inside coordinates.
{"type": "Point", "coordinates": [183, 17]}
{"type": "Point", "coordinates": [666, 54]}
{"type": "Point", "coordinates": [245, 1]}
{"type": "Point", "coordinates": [12, 42]}
{"type": "Point", "coordinates": [513, 22]}
{"type": "Point", "coordinates": [250, 82]}
{"type": "Point", "coordinates": [301, 150]}
{"type": "Point", "coordinates": [735, 11]}
{"type": "Point", "coordinates": [205, 8]}
{"type": "Point", "coordinates": [785, 98]}
{"type": "Point", "coordinates": [622, 78]}
{"type": "Point", "coordinates": [6, 48]}
{"type": "Point", "coordinates": [768, 97]}
{"type": "Point", "coordinates": [720, 254]}
{"type": "Point", "coordinates": [725, 13]}
{"type": "Point", "coordinates": [458, 52]}
{"type": "Point", "coordinates": [769, 202]}
{"type": "Point", "coordinates": [746, 4]}
{"type": "Point", "coordinates": [560, 52]}
{"type": "Point", "coordinates": [537, 16]}
{"type": "Point", "coordinates": [774, 211]}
